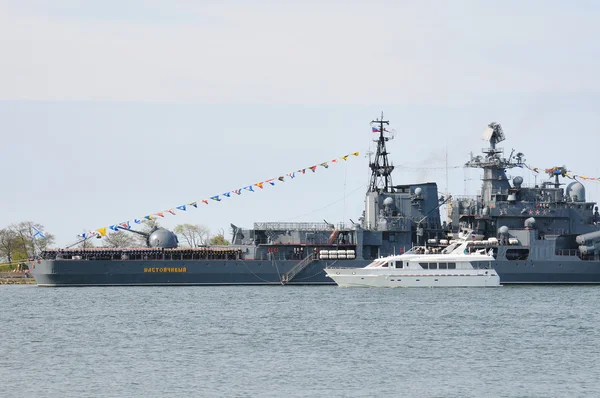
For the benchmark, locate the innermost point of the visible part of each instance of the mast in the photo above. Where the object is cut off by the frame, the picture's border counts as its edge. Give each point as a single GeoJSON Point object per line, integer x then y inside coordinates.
{"type": "Point", "coordinates": [495, 182]}
{"type": "Point", "coordinates": [381, 169]}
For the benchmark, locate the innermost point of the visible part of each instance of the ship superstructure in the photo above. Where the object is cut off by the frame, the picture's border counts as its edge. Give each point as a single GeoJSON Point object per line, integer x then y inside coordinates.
{"type": "Point", "coordinates": [544, 233]}
{"type": "Point", "coordinates": [395, 218]}
{"type": "Point", "coordinates": [538, 234]}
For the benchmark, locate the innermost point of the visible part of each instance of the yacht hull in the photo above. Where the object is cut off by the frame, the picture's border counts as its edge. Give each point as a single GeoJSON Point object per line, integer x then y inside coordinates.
{"type": "Point", "coordinates": [354, 278]}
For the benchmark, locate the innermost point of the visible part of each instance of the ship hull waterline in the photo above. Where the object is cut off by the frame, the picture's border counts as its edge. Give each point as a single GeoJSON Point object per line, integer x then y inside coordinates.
{"type": "Point", "coordinates": [255, 272]}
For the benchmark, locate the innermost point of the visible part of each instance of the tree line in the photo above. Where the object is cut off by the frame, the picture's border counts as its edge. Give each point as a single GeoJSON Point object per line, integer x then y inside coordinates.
{"type": "Point", "coordinates": [26, 239]}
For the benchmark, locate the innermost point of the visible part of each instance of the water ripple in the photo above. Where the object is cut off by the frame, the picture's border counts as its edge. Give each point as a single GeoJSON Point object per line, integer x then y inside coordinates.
{"type": "Point", "coordinates": [299, 341]}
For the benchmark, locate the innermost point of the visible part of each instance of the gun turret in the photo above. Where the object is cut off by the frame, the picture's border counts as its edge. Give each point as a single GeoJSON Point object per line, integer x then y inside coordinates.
{"type": "Point", "coordinates": [157, 237]}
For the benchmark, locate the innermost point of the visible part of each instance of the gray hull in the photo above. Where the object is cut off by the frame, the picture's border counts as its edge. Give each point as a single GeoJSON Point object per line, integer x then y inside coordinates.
{"type": "Point", "coordinates": [549, 272]}
{"type": "Point", "coordinates": [238, 272]}
{"type": "Point", "coordinates": [231, 272]}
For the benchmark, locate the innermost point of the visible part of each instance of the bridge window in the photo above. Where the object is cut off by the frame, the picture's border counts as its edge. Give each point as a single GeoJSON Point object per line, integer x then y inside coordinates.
{"type": "Point", "coordinates": [433, 266]}
{"type": "Point", "coordinates": [451, 265]}
{"type": "Point", "coordinates": [443, 265]}
{"type": "Point", "coordinates": [517, 254]}
{"type": "Point", "coordinates": [424, 265]}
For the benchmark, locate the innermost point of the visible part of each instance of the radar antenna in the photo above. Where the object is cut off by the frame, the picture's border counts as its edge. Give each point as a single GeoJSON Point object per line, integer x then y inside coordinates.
{"type": "Point", "coordinates": [381, 168]}
{"type": "Point", "coordinates": [494, 134]}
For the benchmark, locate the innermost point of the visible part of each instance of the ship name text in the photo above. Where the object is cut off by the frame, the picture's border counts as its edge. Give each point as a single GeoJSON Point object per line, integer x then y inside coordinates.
{"type": "Point", "coordinates": [165, 269]}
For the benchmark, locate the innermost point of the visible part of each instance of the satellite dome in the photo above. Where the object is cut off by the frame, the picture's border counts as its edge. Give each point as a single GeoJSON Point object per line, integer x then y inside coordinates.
{"type": "Point", "coordinates": [388, 202]}
{"type": "Point", "coordinates": [503, 230]}
{"type": "Point", "coordinates": [163, 238]}
{"type": "Point", "coordinates": [576, 192]}
{"type": "Point", "coordinates": [517, 181]}
{"type": "Point", "coordinates": [418, 191]}
{"type": "Point", "coordinates": [530, 223]}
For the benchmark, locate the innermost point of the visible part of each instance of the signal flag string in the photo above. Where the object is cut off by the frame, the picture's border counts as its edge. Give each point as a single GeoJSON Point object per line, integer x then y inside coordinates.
{"type": "Point", "coordinates": [100, 232]}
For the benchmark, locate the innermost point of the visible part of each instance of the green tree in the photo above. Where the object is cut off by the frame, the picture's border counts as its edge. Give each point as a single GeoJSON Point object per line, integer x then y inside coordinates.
{"type": "Point", "coordinates": [8, 244]}
{"type": "Point", "coordinates": [192, 235]}
{"type": "Point", "coordinates": [86, 243]}
{"type": "Point", "coordinates": [219, 239]}
{"type": "Point", "coordinates": [121, 239]}
{"type": "Point", "coordinates": [23, 240]}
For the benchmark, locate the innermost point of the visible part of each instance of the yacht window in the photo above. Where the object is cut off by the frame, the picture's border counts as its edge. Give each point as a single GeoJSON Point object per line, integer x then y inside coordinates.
{"type": "Point", "coordinates": [424, 265]}
{"type": "Point", "coordinates": [451, 265]}
{"type": "Point", "coordinates": [433, 266]}
{"type": "Point", "coordinates": [384, 265]}
{"type": "Point", "coordinates": [443, 265]}
{"type": "Point", "coordinates": [399, 264]}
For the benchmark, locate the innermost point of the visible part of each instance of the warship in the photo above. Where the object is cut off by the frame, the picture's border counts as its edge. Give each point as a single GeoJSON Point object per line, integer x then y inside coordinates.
{"type": "Point", "coordinates": [539, 234]}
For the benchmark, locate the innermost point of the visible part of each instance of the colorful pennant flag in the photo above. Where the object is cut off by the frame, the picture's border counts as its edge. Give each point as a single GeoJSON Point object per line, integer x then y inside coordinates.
{"type": "Point", "coordinates": [271, 181]}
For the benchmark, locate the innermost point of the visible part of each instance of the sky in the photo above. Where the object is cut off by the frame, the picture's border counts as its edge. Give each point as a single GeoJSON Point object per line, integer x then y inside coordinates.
{"type": "Point", "coordinates": [114, 110]}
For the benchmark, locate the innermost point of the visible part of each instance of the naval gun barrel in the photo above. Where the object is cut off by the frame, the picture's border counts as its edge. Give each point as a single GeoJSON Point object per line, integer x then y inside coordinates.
{"type": "Point", "coordinates": [590, 237]}
{"type": "Point", "coordinates": [587, 249]}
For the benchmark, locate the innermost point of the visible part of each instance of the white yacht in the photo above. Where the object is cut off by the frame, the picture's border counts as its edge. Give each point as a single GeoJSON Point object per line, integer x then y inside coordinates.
{"type": "Point", "coordinates": [455, 266]}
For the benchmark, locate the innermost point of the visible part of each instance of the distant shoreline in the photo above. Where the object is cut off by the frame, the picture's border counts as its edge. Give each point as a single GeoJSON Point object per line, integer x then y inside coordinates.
{"type": "Point", "coordinates": [15, 278]}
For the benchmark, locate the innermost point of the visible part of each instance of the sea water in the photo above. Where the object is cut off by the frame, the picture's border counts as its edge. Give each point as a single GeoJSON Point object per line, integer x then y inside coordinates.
{"type": "Point", "coordinates": [294, 341]}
